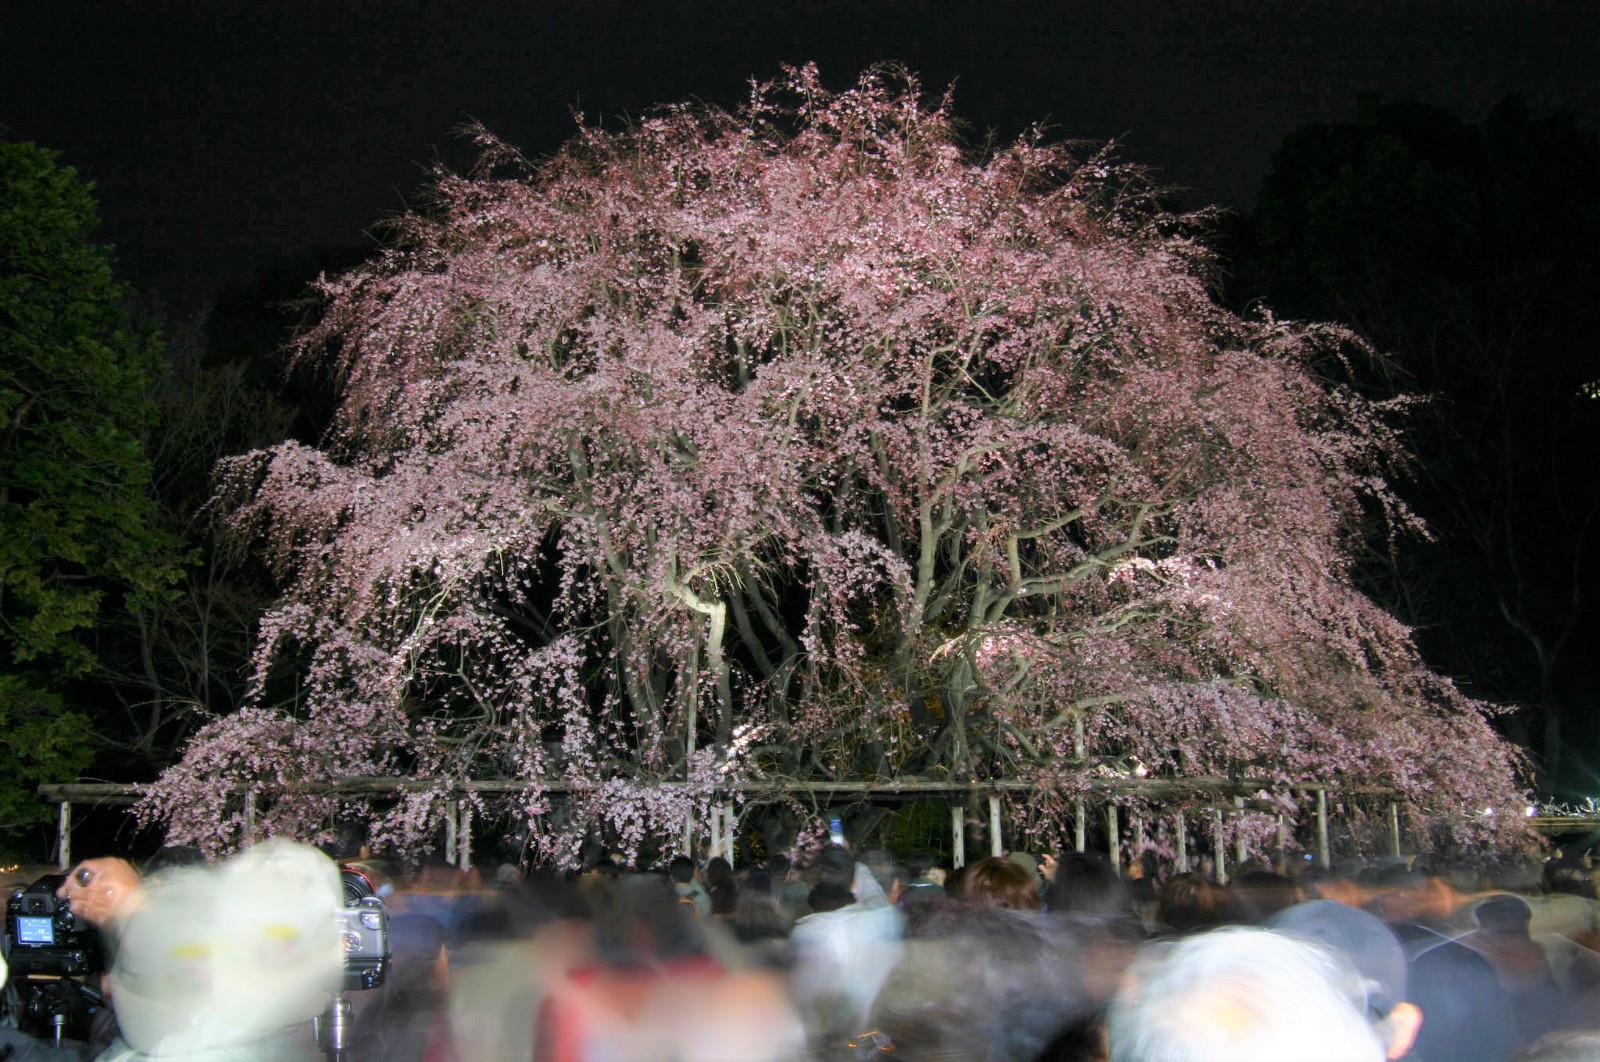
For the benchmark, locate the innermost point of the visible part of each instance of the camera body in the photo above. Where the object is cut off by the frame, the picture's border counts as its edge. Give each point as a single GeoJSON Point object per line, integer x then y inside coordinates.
{"type": "Point", "coordinates": [363, 924]}
{"type": "Point", "coordinates": [43, 936]}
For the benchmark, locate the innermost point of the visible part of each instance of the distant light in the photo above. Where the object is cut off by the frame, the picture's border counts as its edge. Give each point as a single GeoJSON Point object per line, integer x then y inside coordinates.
{"type": "Point", "coordinates": [1530, 811]}
{"type": "Point", "coordinates": [1487, 811]}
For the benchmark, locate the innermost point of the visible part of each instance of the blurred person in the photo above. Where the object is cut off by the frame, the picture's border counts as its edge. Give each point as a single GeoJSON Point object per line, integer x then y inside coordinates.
{"type": "Point", "coordinates": [1144, 890]}
{"type": "Point", "coordinates": [721, 886]}
{"type": "Point", "coordinates": [759, 923]}
{"type": "Point", "coordinates": [1087, 884]}
{"type": "Point", "coordinates": [681, 871]}
{"type": "Point", "coordinates": [955, 883]}
{"type": "Point", "coordinates": [1524, 972]}
{"type": "Point", "coordinates": [921, 888]}
{"type": "Point", "coordinates": [653, 987]}
{"type": "Point", "coordinates": [1369, 946]}
{"type": "Point", "coordinates": [1241, 995]}
{"type": "Point", "coordinates": [1318, 883]}
{"type": "Point", "coordinates": [1468, 1013]}
{"type": "Point", "coordinates": [1259, 894]}
{"type": "Point", "coordinates": [878, 876]}
{"type": "Point", "coordinates": [843, 954]}
{"type": "Point", "coordinates": [985, 984]}
{"type": "Point", "coordinates": [229, 962]}
{"type": "Point", "coordinates": [788, 887]}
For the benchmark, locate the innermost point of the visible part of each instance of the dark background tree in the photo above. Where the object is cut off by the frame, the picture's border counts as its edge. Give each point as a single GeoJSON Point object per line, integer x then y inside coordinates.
{"type": "Point", "coordinates": [1470, 252]}
{"type": "Point", "coordinates": [78, 535]}
{"type": "Point", "coordinates": [172, 664]}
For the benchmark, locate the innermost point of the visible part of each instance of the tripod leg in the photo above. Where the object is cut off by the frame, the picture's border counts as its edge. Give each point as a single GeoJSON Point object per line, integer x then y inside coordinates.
{"type": "Point", "coordinates": [333, 1027]}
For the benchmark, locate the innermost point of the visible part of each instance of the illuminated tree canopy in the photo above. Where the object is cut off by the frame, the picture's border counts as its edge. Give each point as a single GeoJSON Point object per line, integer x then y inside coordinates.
{"type": "Point", "coordinates": [800, 443]}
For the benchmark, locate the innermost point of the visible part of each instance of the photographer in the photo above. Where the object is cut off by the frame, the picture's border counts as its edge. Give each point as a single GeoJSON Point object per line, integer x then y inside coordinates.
{"type": "Point", "coordinates": [54, 959]}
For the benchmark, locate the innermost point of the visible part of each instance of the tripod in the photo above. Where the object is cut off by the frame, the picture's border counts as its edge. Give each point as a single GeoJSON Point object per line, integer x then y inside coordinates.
{"type": "Point", "coordinates": [333, 1028]}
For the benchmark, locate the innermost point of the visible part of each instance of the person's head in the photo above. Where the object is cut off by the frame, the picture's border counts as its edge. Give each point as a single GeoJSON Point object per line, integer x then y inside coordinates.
{"type": "Point", "coordinates": [756, 914]}
{"type": "Point", "coordinates": [998, 882]}
{"type": "Point", "coordinates": [1087, 884]}
{"type": "Point", "coordinates": [101, 891]}
{"type": "Point", "coordinates": [918, 865]}
{"type": "Point", "coordinates": [834, 863]}
{"type": "Point", "coordinates": [829, 895]}
{"type": "Point", "coordinates": [1504, 915]}
{"type": "Point", "coordinates": [1241, 995]}
{"type": "Point", "coordinates": [1260, 894]}
{"type": "Point", "coordinates": [681, 870]}
{"type": "Point", "coordinates": [719, 873]}
{"type": "Point", "coordinates": [778, 866]}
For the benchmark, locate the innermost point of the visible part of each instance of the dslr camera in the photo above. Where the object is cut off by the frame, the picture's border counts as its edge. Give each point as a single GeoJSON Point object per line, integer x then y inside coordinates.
{"type": "Point", "coordinates": [364, 928]}
{"type": "Point", "coordinates": [49, 949]}
{"type": "Point", "coordinates": [44, 937]}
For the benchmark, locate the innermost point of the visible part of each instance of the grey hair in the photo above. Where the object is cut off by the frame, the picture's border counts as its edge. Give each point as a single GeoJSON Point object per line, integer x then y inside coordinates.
{"type": "Point", "coordinates": [1242, 995]}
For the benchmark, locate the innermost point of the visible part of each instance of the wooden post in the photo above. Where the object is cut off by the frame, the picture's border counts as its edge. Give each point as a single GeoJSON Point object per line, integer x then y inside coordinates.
{"type": "Point", "coordinates": [1394, 828]}
{"type": "Point", "coordinates": [464, 851]}
{"type": "Point", "coordinates": [1238, 833]}
{"type": "Point", "coordinates": [1183, 844]}
{"type": "Point", "coordinates": [729, 831]}
{"type": "Point", "coordinates": [1138, 836]}
{"type": "Point", "coordinates": [1324, 859]}
{"type": "Point", "coordinates": [250, 815]}
{"type": "Point", "coordinates": [1283, 846]}
{"type": "Point", "coordinates": [1113, 839]}
{"type": "Point", "coordinates": [996, 842]}
{"type": "Point", "coordinates": [1219, 851]}
{"type": "Point", "coordinates": [958, 835]}
{"type": "Point", "coordinates": [64, 836]}
{"type": "Point", "coordinates": [1080, 826]}
{"type": "Point", "coordinates": [688, 835]}
{"type": "Point", "coordinates": [451, 809]}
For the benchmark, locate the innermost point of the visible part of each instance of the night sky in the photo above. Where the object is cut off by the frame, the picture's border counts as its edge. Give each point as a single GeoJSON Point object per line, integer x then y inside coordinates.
{"type": "Point", "coordinates": [227, 136]}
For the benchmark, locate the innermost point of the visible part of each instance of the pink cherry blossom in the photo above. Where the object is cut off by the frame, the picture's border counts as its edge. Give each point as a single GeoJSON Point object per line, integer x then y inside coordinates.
{"type": "Point", "coordinates": [803, 443]}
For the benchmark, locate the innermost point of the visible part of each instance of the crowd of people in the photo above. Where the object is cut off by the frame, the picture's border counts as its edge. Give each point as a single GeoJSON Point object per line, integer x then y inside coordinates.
{"type": "Point", "coordinates": [855, 955]}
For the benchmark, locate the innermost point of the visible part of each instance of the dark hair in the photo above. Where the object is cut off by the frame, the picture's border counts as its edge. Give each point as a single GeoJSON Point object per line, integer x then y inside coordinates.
{"type": "Point", "coordinates": [919, 863]}
{"type": "Point", "coordinates": [1087, 884]}
{"type": "Point", "coordinates": [681, 869]}
{"type": "Point", "coordinates": [1189, 903]}
{"type": "Point", "coordinates": [722, 885]}
{"type": "Point", "coordinates": [1504, 914]}
{"type": "Point", "coordinates": [778, 864]}
{"type": "Point", "coordinates": [836, 865]}
{"type": "Point", "coordinates": [173, 855]}
{"type": "Point", "coordinates": [829, 895]}
{"type": "Point", "coordinates": [1263, 893]}
{"type": "Point", "coordinates": [756, 915]}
